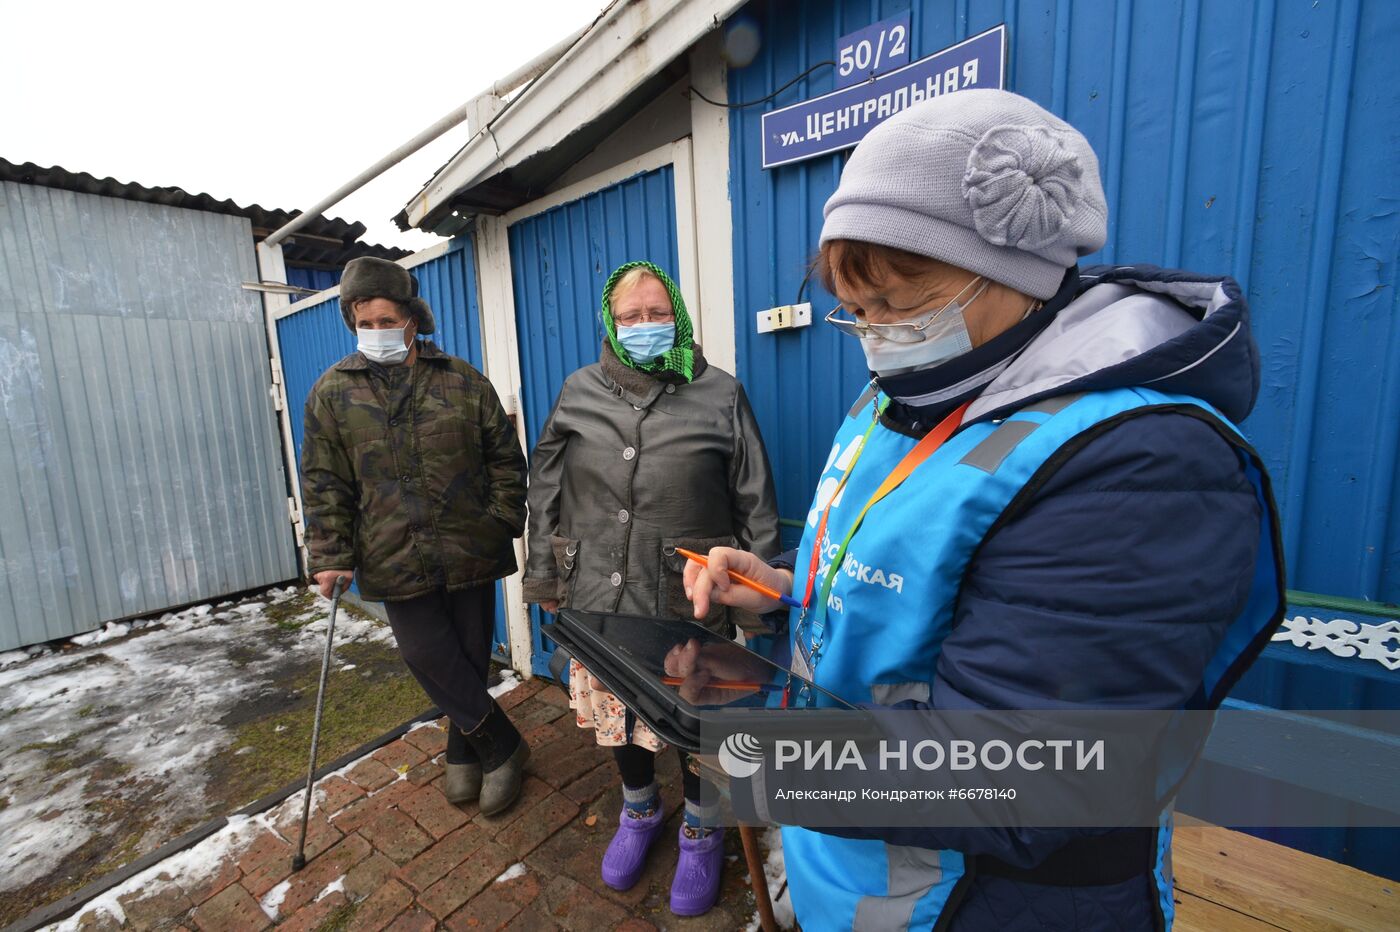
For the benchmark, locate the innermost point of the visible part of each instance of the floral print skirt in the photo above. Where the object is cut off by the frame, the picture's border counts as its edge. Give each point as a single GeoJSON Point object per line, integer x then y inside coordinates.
{"type": "Point", "coordinates": [605, 714]}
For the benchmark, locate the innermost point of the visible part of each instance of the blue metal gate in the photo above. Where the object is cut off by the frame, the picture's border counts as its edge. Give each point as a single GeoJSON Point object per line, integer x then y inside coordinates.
{"type": "Point", "coordinates": [559, 261]}
{"type": "Point", "coordinates": [315, 338]}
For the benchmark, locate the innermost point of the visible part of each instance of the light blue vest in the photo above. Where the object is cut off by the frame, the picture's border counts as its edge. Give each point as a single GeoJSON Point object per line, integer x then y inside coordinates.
{"type": "Point", "coordinates": [892, 605]}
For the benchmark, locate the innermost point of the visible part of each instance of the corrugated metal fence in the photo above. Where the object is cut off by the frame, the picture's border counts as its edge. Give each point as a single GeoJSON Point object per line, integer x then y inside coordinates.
{"type": "Point", "coordinates": [139, 461]}
{"type": "Point", "coordinates": [1205, 115]}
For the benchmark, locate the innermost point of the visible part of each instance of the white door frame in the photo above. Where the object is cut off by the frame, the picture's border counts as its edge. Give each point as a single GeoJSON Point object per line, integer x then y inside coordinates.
{"type": "Point", "coordinates": [500, 339]}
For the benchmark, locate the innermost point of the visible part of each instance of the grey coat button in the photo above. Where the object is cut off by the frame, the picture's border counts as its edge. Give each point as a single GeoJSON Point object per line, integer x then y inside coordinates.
{"type": "Point", "coordinates": [636, 407]}
{"type": "Point", "coordinates": [616, 579]}
{"type": "Point", "coordinates": [629, 453]}
{"type": "Point", "coordinates": [623, 516]}
{"type": "Point", "coordinates": [670, 389]}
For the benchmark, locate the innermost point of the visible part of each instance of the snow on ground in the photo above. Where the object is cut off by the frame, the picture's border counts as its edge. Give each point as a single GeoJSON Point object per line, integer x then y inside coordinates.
{"type": "Point", "coordinates": [515, 870]}
{"type": "Point", "coordinates": [775, 872]}
{"type": "Point", "coordinates": [203, 860]}
{"type": "Point", "coordinates": [145, 702]}
{"type": "Point", "coordinates": [271, 902]}
{"type": "Point", "coordinates": [509, 680]}
{"type": "Point", "coordinates": [199, 861]}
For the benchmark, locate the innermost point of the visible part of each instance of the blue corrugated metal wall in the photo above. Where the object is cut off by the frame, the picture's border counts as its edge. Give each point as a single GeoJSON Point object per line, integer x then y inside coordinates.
{"type": "Point", "coordinates": [315, 338]}
{"type": "Point", "coordinates": [1257, 140]}
{"type": "Point", "coordinates": [315, 279]}
{"type": "Point", "coordinates": [559, 262]}
{"type": "Point", "coordinates": [1253, 139]}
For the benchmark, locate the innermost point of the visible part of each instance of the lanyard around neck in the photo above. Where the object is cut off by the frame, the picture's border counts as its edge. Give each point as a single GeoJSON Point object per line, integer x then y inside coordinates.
{"type": "Point", "coordinates": [911, 461]}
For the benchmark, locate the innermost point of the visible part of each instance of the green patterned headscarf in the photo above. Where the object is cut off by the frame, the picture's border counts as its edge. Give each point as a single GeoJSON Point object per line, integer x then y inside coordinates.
{"type": "Point", "coordinates": [680, 358]}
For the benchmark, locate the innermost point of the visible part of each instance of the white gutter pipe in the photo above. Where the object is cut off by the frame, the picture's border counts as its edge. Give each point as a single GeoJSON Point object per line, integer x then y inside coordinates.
{"type": "Point", "coordinates": [527, 72]}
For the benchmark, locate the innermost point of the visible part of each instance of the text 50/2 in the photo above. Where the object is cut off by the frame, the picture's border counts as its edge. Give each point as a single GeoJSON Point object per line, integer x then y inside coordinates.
{"type": "Point", "coordinates": [870, 51]}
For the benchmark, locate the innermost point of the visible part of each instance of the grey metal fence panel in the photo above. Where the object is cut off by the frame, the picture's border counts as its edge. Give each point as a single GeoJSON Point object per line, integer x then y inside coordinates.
{"type": "Point", "coordinates": [140, 463]}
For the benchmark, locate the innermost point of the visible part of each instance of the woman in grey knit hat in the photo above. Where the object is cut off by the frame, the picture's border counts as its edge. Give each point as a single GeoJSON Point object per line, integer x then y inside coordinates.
{"type": "Point", "coordinates": [1040, 501]}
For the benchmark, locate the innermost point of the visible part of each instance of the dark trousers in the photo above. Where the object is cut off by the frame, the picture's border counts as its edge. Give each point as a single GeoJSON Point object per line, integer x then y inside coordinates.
{"type": "Point", "coordinates": [638, 768]}
{"type": "Point", "coordinates": [445, 641]}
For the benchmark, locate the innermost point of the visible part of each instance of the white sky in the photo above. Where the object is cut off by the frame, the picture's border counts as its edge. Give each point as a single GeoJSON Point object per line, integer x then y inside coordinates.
{"type": "Point", "coordinates": [274, 103]}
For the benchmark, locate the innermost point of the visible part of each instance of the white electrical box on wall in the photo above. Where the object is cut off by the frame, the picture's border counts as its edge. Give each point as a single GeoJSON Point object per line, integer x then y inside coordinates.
{"type": "Point", "coordinates": [787, 317]}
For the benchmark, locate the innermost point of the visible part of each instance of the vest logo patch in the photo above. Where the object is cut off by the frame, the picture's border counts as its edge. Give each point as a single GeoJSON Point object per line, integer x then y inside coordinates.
{"type": "Point", "coordinates": [855, 569]}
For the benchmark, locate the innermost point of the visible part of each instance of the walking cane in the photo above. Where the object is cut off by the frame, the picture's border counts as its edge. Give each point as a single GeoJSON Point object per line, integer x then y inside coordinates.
{"type": "Point", "coordinates": [299, 859]}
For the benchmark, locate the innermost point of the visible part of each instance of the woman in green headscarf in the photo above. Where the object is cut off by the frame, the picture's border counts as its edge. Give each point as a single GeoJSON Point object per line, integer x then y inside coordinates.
{"type": "Point", "coordinates": [647, 450]}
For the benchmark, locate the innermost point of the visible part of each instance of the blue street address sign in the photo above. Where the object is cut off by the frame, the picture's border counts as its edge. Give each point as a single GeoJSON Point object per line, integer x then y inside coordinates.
{"type": "Point", "coordinates": [841, 119]}
{"type": "Point", "coordinates": [873, 50]}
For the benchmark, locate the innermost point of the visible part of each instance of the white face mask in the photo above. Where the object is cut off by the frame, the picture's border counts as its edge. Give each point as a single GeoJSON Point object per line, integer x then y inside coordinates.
{"type": "Point", "coordinates": [945, 338]}
{"type": "Point", "coordinates": [917, 343]}
{"type": "Point", "coordinates": [386, 347]}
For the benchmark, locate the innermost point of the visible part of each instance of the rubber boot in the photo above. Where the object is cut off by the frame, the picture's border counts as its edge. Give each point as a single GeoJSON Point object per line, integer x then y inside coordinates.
{"type": "Point", "coordinates": [696, 885]}
{"type": "Point", "coordinates": [626, 856]}
{"type": "Point", "coordinates": [503, 754]}
{"type": "Point", "coordinates": [461, 782]}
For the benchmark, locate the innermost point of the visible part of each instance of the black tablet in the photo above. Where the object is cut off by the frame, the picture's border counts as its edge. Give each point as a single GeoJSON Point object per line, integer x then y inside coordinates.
{"type": "Point", "coordinates": [629, 654]}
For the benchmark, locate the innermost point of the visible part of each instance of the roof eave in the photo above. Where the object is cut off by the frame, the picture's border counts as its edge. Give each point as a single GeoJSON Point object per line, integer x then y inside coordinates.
{"type": "Point", "coordinates": [588, 80]}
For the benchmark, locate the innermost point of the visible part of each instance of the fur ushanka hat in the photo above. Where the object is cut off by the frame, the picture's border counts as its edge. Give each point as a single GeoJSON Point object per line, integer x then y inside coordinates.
{"type": "Point", "coordinates": [368, 277]}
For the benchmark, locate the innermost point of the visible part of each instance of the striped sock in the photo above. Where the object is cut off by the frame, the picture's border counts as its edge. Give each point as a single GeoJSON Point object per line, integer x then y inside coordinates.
{"type": "Point", "coordinates": [640, 802]}
{"type": "Point", "coordinates": [699, 820]}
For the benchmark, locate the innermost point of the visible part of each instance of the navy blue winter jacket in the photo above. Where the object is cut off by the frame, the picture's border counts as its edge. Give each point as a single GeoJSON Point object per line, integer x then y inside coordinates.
{"type": "Point", "coordinates": [1112, 584]}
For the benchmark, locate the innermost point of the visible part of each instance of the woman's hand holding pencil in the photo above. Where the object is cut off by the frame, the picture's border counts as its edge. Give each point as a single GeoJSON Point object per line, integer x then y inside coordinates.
{"type": "Point", "coordinates": [736, 578]}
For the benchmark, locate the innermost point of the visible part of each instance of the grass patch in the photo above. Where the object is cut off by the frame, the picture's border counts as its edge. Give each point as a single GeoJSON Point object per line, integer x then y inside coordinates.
{"type": "Point", "coordinates": [361, 704]}
{"type": "Point", "coordinates": [120, 843]}
{"type": "Point", "coordinates": [286, 613]}
{"type": "Point", "coordinates": [354, 610]}
{"type": "Point", "coordinates": [62, 745]}
{"type": "Point", "coordinates": [297, 611]}
{"type": "Point", "coordinates": [62, 763]}
{"type": "Point", "coordinates": [340, 919]}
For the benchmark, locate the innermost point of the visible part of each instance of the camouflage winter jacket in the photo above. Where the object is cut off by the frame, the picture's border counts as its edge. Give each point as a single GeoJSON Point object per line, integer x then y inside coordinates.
{"type": "Point", "coordinates": [411, 475]}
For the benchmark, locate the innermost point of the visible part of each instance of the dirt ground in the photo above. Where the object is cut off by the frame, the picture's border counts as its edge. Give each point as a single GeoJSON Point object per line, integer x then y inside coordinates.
{"type": "Point", "coordinates": [116, 747]}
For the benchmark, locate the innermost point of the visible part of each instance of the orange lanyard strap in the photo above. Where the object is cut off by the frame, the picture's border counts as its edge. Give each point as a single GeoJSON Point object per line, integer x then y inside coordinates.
{"type": "Point", "coordinates": [911, 461]}
{"type": "Point", "coordinates": [826, 512]}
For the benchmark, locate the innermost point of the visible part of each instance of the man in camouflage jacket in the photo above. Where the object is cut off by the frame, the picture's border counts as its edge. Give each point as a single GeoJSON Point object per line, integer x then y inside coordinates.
{"type": "Point", "coordinates": [411, 475]}
{"type": "Point", "coordinates": [413, 483]}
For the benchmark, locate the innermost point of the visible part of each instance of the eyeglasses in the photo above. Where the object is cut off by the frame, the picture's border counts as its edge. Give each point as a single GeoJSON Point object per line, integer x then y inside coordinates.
{"type": "Point", "coordinates": [909, 331]}
{"type": "Point", "coordinates": [646, 317]}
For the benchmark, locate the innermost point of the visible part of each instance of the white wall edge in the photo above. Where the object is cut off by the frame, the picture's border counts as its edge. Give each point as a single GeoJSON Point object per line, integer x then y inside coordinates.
{"type": "Point", "coordinates": [714, 216]}
{"type": "Point", "coordinates": [501, 362]}
{"type": "Point", "coordinates": [271, 267]}
{"type": "Point", "coordinates": [687, 255]}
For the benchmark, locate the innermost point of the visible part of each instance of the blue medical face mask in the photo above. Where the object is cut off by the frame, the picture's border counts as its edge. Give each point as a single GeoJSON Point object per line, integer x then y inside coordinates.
{"type": "Point", "coordinates": [645, 342]}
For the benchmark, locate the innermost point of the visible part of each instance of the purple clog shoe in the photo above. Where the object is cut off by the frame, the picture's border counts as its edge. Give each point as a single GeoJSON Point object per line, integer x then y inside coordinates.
{"type": "Point", "coordinates": [696, 886]}
{"type": "Point", "coordinates": [626, 856]}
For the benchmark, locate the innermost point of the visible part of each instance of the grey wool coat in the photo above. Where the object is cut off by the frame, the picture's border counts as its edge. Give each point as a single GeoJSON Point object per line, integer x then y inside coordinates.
{"type": "Point", "coordinates": [631, 466]}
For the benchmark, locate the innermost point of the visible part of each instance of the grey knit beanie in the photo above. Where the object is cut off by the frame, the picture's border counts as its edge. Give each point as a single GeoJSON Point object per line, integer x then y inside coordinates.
{"type": "Point", "coordinates": [368, 277]}
{"type": "Point", "coordinates": [985, 180]}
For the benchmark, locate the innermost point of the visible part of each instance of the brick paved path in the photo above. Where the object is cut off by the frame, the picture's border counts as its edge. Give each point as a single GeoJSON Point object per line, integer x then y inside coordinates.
{"type": "Point", "coordinates": [387, 851]}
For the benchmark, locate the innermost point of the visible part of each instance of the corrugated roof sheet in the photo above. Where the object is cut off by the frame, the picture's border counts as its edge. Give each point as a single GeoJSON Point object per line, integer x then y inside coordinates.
{"type": "Point", "coordinates": [326, 241]}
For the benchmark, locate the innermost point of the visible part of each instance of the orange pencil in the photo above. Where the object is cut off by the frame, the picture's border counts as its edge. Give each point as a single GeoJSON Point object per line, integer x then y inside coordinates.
{"type": "Point", "coordinates": [743, 580]}
{"type": "Point", "coordinates": [712, 684]}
